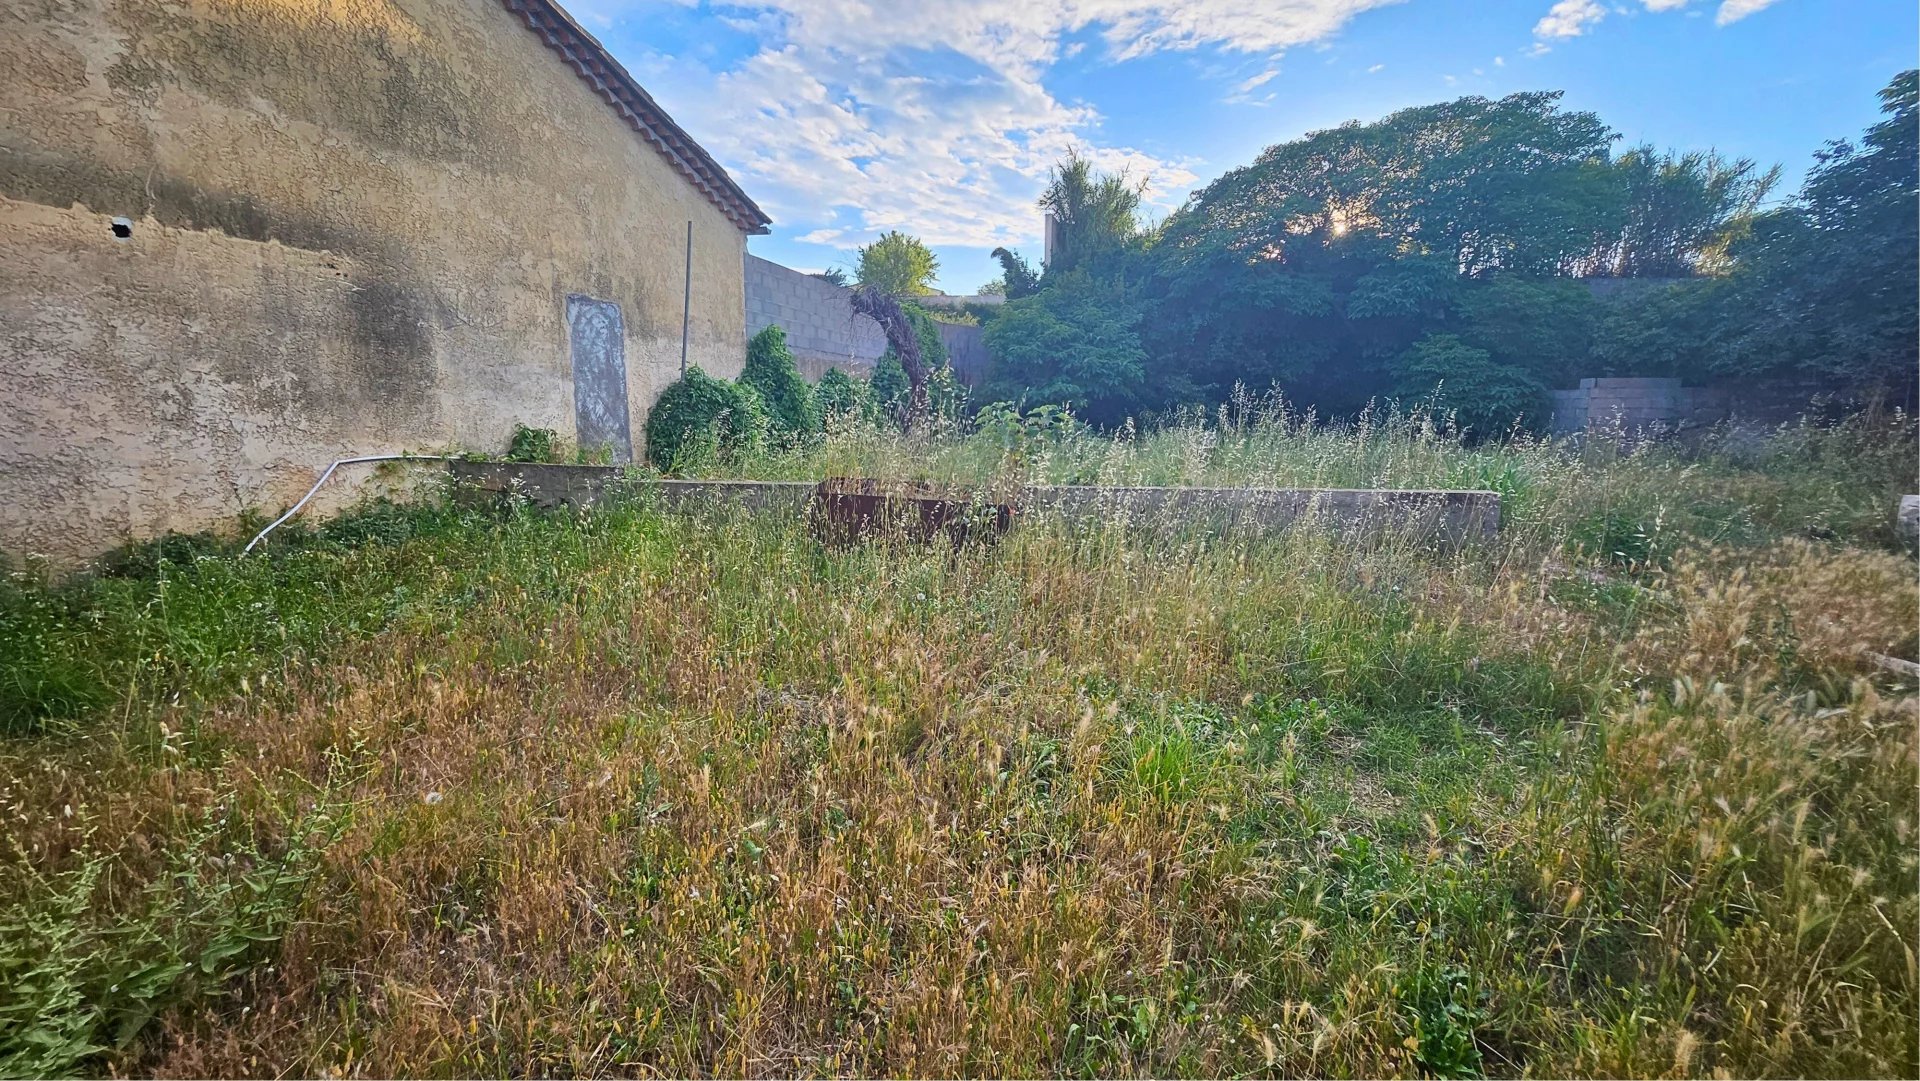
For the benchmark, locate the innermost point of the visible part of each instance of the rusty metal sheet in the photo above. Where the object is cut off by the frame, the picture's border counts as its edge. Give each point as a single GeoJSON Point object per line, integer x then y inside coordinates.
{"type": "Point", "coordinates": [850, 509]}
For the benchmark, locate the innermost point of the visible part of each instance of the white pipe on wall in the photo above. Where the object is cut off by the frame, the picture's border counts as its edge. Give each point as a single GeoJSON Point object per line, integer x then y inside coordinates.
{"type": "Point", "coordinates": [277, 522]}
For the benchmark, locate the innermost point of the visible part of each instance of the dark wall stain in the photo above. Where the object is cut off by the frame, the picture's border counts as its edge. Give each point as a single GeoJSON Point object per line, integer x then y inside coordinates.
{"type": "Point", "coordinates": [350, 76]}
{"type": "Point", "coordinates": [59, 180]}
{"type": "Point", "coordinates": [368, 356]}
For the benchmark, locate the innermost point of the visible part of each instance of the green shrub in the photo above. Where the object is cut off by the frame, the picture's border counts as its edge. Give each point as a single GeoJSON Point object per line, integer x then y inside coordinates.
{"type": "Point", "coordinates": [789, 401]}
{"type": "Point", "coordinates": [839, 395]}
{"type": "Point", "coordinates": [887, 387]}
{"type": "Point", "coordinates": [1488, 399]}
{"type": "Point", "coordinates": [698, 415]}
{"type": "Point", "coordinates": [533, 445]}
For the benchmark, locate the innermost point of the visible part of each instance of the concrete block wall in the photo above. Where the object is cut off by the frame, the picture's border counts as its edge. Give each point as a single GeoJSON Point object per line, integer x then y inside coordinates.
{"type": "Point", "coordinates": [822, 329]}
{"type": "Point", "coordinates": [966, 352]}
{"type": "Point", "coordinates": [1646, 406]}
{"type": "Point", "coordinates": [1636, 405]}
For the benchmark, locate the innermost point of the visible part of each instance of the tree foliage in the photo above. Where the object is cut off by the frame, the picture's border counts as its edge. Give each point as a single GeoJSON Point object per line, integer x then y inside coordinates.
{"type": "Point", "coordinates": [897, 264]}
{"type": "Point", "coordinates": [1017, 276]}
{"type": "Point", "coordinates": [1827, 286]}
{"type": "Point", "coordinates": [1361, 262]}
{"type": "Point", "coordinates": [1486, 398]}
{"type": "Point", "coordinates": [1094, 214]}
{"type": "Point", "coordinates": [1076, 343]}
{"type": "Point", "coordinates": [1680, 215]}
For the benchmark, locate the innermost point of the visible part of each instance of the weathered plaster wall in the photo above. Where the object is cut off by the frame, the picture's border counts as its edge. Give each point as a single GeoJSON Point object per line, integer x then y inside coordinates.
{"type": "Point", "coordinates": [355, 224]}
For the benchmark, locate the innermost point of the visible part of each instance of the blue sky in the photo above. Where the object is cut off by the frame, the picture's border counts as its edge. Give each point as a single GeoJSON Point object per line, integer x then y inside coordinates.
{"type": "Point", "coordinates": [845, 118]}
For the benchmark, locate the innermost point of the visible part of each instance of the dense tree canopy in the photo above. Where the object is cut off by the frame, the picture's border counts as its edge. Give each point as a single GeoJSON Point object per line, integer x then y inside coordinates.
{"type": "Point", "coordinates": [1075, 343]}
{"type": "Point", "coordinates": [1827, 286]}
{"type": "Point", "coordinates": [1442, 254]}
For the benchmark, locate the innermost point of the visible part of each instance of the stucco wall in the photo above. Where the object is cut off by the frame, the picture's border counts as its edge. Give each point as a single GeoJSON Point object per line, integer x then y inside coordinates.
{"type": "Point", "coordinates": [355, 224]}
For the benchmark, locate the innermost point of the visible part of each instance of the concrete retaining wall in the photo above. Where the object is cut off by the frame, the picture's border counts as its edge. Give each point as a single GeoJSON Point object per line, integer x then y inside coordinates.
{"type": "Point", "coordinates": [1636, 405]}
{"type": "Point", "coordinates": [1645, 406]}
{"type": "Point", "coordinates": [1452, 516]}
{"type": "Point", "coordinates": [822, 329]}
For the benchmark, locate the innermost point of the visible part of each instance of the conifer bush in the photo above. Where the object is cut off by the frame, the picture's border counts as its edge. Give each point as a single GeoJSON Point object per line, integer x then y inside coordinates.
{"type": "Point", "coordinates": [788, 398]}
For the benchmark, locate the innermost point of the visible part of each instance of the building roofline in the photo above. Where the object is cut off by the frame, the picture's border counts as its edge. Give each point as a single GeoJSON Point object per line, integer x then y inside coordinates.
{"type": "Point", "coordinates": [616, 86]}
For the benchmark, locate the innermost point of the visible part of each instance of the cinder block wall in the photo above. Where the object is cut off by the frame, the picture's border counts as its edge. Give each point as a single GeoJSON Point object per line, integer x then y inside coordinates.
{"type": "Point", "coordinates": [1636, 405]}
{"type": "Point", "coordinates": [1648, 405]}
{"type": "Point", "coordinates": [818, 316]}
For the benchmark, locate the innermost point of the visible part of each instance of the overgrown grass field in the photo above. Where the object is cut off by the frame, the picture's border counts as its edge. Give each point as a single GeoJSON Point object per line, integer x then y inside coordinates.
{"type": "Point", "coordinates": [460, 792]}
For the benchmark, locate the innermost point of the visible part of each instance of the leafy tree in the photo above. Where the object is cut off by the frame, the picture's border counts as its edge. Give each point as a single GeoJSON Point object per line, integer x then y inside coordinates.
{"type": "Point", "coordinates": [699, 415]}
{"type": "Point", "coordinates": [1669, 330]}
{"type": "Point", "coordinates": [1094, 216]}
{"type": "Point", "coordinates": [1541, 326]}
{"type": "Point", "coordinates": [1827, 286]}
{"type": "Point", "coordinates": [1514, 184]}
{"type": "Point", "coordinates": [833, 275]}
{"type": "Point", "coordinates": [770, 371]}
{"type": "Point", "coordinates": [1017, 276]}
{"type": "Point", "coordinates": [897, 264]}
{"type": "Point", "coordinates": [1075, 343]}
{"type": "Point", "coordinates": [1682, 213]}
{"type": "Point", "coordinates": [1487, 398]}
{"type": "Point", "coordinates": [1324, 261]}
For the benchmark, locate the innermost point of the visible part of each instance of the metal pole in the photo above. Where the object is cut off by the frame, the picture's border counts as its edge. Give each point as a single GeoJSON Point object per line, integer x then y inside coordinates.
{"type": "Point", "coordinates": [686, 302]}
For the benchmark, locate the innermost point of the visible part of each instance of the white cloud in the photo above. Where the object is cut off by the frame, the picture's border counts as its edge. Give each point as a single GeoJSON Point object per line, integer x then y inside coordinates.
{"type": "Point", "coordinates": [1732, 11]}
{"type": "Point", "coordinates": [1376, 69]}
{"type": "Point", "coordinates": [1569, 19]}
{"type": "Point", "coordinates": [1258, 80]}
{"type": "Point", "coordinates": [858, 116]}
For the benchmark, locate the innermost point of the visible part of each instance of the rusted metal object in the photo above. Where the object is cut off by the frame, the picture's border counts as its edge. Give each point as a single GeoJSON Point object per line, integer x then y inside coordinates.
{"type": "Point", "coordinates": [851, 509]}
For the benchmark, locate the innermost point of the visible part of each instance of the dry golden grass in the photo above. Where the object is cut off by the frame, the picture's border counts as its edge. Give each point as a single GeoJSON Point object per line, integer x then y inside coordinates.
{"type": "Point", "coordinates": [646, 794]}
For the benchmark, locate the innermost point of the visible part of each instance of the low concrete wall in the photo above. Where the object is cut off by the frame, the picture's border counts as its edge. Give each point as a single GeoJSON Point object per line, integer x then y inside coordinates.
{"type": "Point", "coordinates": [1636, 405]}
{"type": "Point", "coordinates": [1639, 406]}
{"type": "Point", "coordinates": [1454, 516]}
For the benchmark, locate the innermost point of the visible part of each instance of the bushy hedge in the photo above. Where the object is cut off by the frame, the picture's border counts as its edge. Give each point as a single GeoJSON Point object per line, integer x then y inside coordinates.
{"type": "Point", "coordinates": [699, 415]}
{"type": "Point", "coordinates": [788, 398]}
{"type": "Point", "coordinates": [839, 395]}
